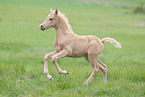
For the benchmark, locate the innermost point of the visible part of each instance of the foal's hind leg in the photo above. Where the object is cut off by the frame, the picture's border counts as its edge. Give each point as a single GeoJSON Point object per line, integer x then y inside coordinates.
{"type": "Point", "coordinates": [103, 69]}
{"type": "Point", "coordinates": [95, 68]}
{"type": "Point", "coordinates": [47, 56]}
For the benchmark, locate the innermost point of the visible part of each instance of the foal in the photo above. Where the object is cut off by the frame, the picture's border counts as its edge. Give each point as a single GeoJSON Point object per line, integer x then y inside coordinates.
{"type": "Point", "coordinates": [68, 44]}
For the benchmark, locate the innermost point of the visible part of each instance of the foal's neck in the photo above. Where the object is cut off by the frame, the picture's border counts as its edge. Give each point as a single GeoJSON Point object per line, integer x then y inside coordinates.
{"type": "Point", "coordinates": [62, 28]}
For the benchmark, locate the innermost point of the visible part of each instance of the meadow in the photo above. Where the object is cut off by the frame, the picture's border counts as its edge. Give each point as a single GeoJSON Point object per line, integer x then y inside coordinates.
{"type": "Point", "coordinates": [23, 46]}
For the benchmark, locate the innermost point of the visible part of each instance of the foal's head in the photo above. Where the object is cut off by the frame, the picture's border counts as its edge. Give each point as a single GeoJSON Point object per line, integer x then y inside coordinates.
{"type": "Point", "coordinates": [50, 21]}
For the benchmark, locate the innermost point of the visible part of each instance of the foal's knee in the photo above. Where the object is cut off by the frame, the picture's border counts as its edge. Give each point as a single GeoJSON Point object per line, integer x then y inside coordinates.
{"type": "Point", "coordinates": [96, 71]}
{"type": "Point", "coordinates": [45, 72]}
{"type": "Point", "coordinates": [53, 59]}
{"type": "Point", "coordinates": [103, 68]}
{"type": "Point", "coordinates": [45, 57]}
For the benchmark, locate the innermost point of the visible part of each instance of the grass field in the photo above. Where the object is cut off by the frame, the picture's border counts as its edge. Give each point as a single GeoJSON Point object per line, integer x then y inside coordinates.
{"type": "Point", "coordinates": [23, 46]}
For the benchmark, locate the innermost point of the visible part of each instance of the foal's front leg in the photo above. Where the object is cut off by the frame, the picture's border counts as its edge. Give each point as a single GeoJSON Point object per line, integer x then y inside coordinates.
{"type": "Point", "coordinates": [61, 54]}
{"type": "Point", "coordinates": [48, 56]}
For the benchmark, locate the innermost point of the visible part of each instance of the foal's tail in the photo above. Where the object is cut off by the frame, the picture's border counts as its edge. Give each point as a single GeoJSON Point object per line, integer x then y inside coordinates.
{"type": "Point", "coordinates": [113, 41]}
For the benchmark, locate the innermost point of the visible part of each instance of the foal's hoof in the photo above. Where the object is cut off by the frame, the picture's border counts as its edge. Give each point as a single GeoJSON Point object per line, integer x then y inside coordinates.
{"type": "Point", "coordinates": [67, 72]}
{"type": "Point", "coordinates": [51, 78]}
{"type": "Point", "coordinates": [85, 83]}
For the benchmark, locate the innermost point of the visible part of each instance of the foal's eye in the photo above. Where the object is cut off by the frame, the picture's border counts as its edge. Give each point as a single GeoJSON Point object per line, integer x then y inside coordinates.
{"type": "Point", "coordinates": [50, 19]}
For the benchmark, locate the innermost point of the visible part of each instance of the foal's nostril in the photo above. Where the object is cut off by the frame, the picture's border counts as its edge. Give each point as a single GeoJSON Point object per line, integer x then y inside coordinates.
{"type": "Point", "coordinates": [42, 27]}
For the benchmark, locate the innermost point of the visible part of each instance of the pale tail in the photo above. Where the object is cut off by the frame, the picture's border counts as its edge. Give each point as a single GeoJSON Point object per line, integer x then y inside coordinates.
{"type": "Point", "coordinates": [113, 41]}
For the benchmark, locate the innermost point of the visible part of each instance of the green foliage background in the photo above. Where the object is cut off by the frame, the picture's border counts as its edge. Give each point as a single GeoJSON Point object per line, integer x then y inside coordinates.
{"type": "Point", "coordinates": [23, 46]}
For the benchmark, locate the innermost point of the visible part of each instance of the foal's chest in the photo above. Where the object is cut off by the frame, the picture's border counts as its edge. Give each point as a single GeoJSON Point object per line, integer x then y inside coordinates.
{"type": "Point", "coordinates": [58, 46]}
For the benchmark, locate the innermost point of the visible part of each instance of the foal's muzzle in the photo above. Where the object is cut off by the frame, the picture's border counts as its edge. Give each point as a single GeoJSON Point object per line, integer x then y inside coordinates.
{"type": "Point", "coordinates": [42, 28]}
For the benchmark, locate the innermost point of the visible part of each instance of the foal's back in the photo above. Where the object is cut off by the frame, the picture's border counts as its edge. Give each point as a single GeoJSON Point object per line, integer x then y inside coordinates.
{"type": "Point", "coordinates": [81, 45]}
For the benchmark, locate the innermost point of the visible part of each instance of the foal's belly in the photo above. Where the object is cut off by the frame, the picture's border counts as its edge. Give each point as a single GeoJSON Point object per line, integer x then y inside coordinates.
{"type": "Point", "coordinates": [78, 53]}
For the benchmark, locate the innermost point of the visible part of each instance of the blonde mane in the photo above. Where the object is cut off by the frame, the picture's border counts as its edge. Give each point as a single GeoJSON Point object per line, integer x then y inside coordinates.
{"type": "Point", "coordinates": [65, 21]}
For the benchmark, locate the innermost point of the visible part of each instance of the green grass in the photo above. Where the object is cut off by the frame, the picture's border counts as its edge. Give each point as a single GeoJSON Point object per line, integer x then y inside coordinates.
{"type": "Point", "coordinates": [125, 1]}
{"type": "Point", "coordinates": [23, 46]}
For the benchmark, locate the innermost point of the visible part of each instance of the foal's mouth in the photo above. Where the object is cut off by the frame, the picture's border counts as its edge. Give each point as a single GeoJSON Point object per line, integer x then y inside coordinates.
{"type": "Point", "coordinates": [42, 28]}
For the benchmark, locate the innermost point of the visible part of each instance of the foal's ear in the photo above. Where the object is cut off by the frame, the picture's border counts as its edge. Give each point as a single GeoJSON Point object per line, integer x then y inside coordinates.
{"type": "Point", "coordinates": [51, 10]}
{"type": "Point", "coordinates": [56, 11]}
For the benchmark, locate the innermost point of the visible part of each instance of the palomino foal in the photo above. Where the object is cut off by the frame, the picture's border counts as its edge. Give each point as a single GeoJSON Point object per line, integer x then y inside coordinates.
{"type": "Point", "coordinates": [68, 44]}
